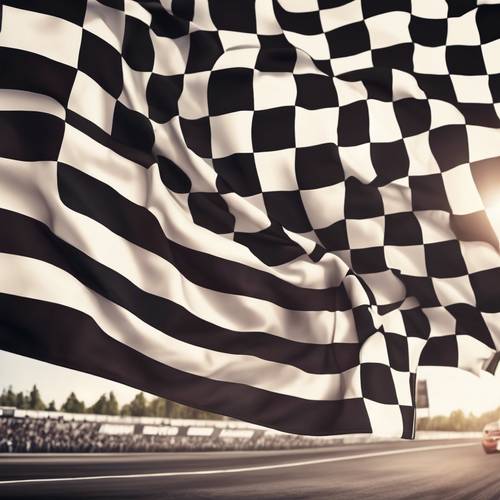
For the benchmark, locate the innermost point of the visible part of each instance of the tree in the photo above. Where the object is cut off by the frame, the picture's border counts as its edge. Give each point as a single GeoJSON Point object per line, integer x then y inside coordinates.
{"type": "Point", "coordinates": [8, 398]}
{"type": "Point", "coordinates": [35, 400]}
{"type": "Point", "coordinates": [22, 401]}
{"type": "Point", "coordinates": [112, 404]}
{"type": "Point", "coordinates": [73, 405]}
{"type": "Point", "coordinates": [52, 406]}
{"type": "Point", "coordinates": [138, 406]}
{"type": "Point", "coordinates": [157, 407]}
{"type": "Point", "coordinates": [100, 406]}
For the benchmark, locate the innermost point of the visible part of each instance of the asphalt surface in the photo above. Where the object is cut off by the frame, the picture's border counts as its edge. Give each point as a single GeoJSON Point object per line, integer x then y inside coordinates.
{"type": "Point", "coordinates": [457, 469]}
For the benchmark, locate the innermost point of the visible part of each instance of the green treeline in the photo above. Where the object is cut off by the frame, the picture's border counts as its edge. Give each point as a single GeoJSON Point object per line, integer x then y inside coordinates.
{"type": "Point", "coordinates": [106, 404]}
{"type": "Point", "coordinates": [458, 421]}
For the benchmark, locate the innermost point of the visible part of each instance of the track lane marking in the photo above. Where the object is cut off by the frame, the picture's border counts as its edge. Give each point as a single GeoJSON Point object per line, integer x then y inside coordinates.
{"type": "Point", "coordinates": [239, 469]}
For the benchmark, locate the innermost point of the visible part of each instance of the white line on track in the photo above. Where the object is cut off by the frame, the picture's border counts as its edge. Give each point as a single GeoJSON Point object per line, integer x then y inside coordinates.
{"type": "Point", "coordinates": [239, 469]}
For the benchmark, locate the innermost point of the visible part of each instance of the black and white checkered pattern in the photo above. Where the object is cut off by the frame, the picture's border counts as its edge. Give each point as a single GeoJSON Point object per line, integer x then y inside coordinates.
{"type": "Point", "coordinates": [275, 210]}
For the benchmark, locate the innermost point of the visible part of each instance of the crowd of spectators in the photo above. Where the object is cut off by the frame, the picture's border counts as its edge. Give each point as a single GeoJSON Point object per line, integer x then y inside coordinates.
{"type": "Point", "coordinates": [38, 435]}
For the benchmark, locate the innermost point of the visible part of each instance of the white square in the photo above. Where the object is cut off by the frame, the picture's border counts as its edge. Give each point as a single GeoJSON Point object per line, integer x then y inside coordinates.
{"type": "Point", "coordinates": [422, 161]}
{"type": "Point", "coordinates": [177, 50]}
{"type": "Point", "coordinates": [249, 212]}
{"type": "Point", "coordinates": [193, 103]}
{"type": "Point", "coordinates": [492, 321]}
{"type": "Point", "coordinates": [276, 170]}
{"type": "Point", "coordinates": [374, 350]}
{"type": "Point", "coordinates": [318, 126]}
{"type": "Point", "coordinates": [479, 256]}
{"type": "Point", "coordinates": [86, 90]}
{"type": "Point", "coordinates": [324, 206]}
{"type": "Point", "coordinates": [472, 353]}
{"type": "Point", "coordinates": [349, 92]}
{"type": "Point", "coordinates": [233, 39]}
{"type": "Point", "coordinates": [463, 30]}
{"type": "Point", "coordinates": [461, 190]}
{"type": "Point", "coordinates": [454, 291]}
{"type": "Point", "coordinates": [365, 233]}
{"type": "Point", "coordinates": [356, 161]}
{"type": "Point", "coordinates": [409, 259]}
{"type": "Point", "coordinates": [430, 60]}
{"type": "Point", "coordinates": [48, 36]}
{"type": "Point", "coordinates": [136, 10]}
{"type": "Point", "coordinates": [430, 9]}
{"type": "Point", "coordinates": [393, 323]}
{"type": "Point", "coordinates": [134, 83]}
{"type": "Point", "coordinates": [242, 57]}
{"type": "Point", "coordinates": [302, 5]}
{"type": "Point", "coordinates": [490, 52]}
{"type": "Point", "coordinates": [402, 385]}
{"type": "Point", "coordinates": [351, 63]}
{"type": "Point", "coordinates": [231, 133]}
{"type": "Point", "coordinates": [396, 197]}
{"type": "Point", "coordinates": [344, 329]}
{"type": "Point", "coordinates": [442, 323]}
{"type": "Point", "coordinates": [484, 142]}
{"type": "Point", "coordinates": [435, 225]}
{"type": "Point", "coordinates": [266, 20]}
{"type": "Point", "coordinates": [271, 90]}
{"type": "Point", "coordinates": [383, 124]}
{"type": "Point", "coordinates": [314, 45]}
{"type": "Point", "coordinates": [388, 29]}
{"type": "Point", "coordinates": [336, 17]}
{"type": "Point", "coordinates": [472, 88]}
{"type": "Point", "coordinates": [385, 419]}
{"type": "Point", "coordinates": [106, 23]}
{"type": "Point", "coordinates": [386, 287]}
{"type": "Point", "coordinates": [405, 85]}
{"type": "Point", "coordinates": [443, 113]}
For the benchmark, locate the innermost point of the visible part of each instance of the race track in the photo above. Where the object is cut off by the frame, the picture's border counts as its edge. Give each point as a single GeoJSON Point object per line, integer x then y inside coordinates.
{"type": "Point", "coordinates": [455, 469]}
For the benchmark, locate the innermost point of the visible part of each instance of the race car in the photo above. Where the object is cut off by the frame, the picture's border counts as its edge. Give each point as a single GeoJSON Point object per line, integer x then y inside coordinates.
{"type": "Point", "coordinates": [491, 437]}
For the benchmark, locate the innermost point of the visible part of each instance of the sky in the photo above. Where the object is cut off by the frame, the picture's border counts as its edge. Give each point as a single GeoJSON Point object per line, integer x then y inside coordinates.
{"type": "Point", "coordinates": [449, 388]}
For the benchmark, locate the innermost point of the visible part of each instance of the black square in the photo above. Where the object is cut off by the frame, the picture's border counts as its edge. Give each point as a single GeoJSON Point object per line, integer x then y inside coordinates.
{"type": "Point", "coordinates": [422, 289]}
{"type": "Point", "coordinates": [226, 16]}
{"type": "Point", "coordinates": [305, 23]}
{"type": "Point", "coordinates": [363, 321]}
{"type": "Point", "coordinates": [271, 245]}
{"type": "Point", "coordinates": [348, 40]}
{"type": "Point", "coordinates": [73, 11]}
{"type": "Point", "coordinates": [328, 4]}
{"type": "Point", "coordinates": [487, 17]}
{"type": "Point", "coordinates": [449, 145]}
{"type": "Point", "coordinates": [173, 176]}
{"type": "Point", "coordinates": [237, 173]}
{"type": "Point", "coordinates": [377, 383]}
{"type": "Point", "coordinates": [416, 323]}
{"type": "Point", "coordinates": [390, 161]}
{"type": "Point", "coordinates": [334, 237]}
{"type": "Point", "coordinates": [368, 260]}
{"type": "Point", "coordinates": [315, 91]}
{"type": "Point", "coordinates": [318, 166]}
{"type": "Point", "coordinates": [102, 63]}
{"type": "Point", "coordinates": [183, 9]}
{"type": "Point", "coordinates": [132, 128]}
{"type": "Point", "coordinates": [286, 208]}
{"type": "Point", "coordinates": [210, 211]}
{"type": "Point", "coordinates": [485, 286]}
{"type": "Point", "coordinates": [437, 87]}
{"type": "Point", "coordinates": [273, 129]}
{"type": "Point", "coordinates": [494, 84]}
{"type": "Point", "coordinates": [465, 60]}
{"type": "Point", "coordinates": [276, 59]}
{"type": "Point", "coordinates": [230, 90]}
{"type": "Point", "coordinates": [428, 32]}
{"type": "Point", "coordinates": [457, 8]}
{"type": "Point", "coordinates": [481, 114]}
{"type": "Point", "coordinates": [413, 116]}
{"type": "Point", "coordinates": [371, 8]}
{"type": "Point", "coordinates": [396, 56]}
{"type": "Point", "coordinates": [114, 4]}
{"type": "Point", "coordinates": [197, 136]}
{"type": "Point", "coordinates": [377, 81]}
{"type": "Point", "coordinates": [444, 259]}
{"type": "Point", "coordinates": [361, 200]}
{"type": "Point", "coordinates": [440, 351]}
{"type": "Point", "coordinates": [469, 321]}
{"type": "Point", "coordinates": [162, 94]}
{"type": "Point", "coordinates": [397, 349]}
{"type": "Point", "coordinates": [428, 193]}
{"type": "Point", "coordinates": [353, 125]}
{"type": "Point", "coordinates": [402, 229]}
{"type": "Point", "coordinates": [137, 48]}
{"type": "Point", "coordinates": [205, 48]}
{"type": "Point", "coordinates": [408, 414]}
{"type": "Point", "coordinates": [163, 23]}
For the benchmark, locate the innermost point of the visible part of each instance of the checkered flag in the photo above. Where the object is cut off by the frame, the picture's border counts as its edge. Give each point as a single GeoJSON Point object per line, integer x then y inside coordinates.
{"type": "Point", "coordinates": [270, 209]}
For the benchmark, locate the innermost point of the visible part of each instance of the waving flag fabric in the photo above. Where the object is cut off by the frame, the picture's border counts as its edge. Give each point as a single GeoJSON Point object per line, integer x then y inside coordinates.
{"type": "Point", "coordinates": [274, 210]}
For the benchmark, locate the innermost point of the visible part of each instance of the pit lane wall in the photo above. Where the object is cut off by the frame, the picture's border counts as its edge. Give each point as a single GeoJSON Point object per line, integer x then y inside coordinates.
{"type": "Point", "coordinates": [226, 429]}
